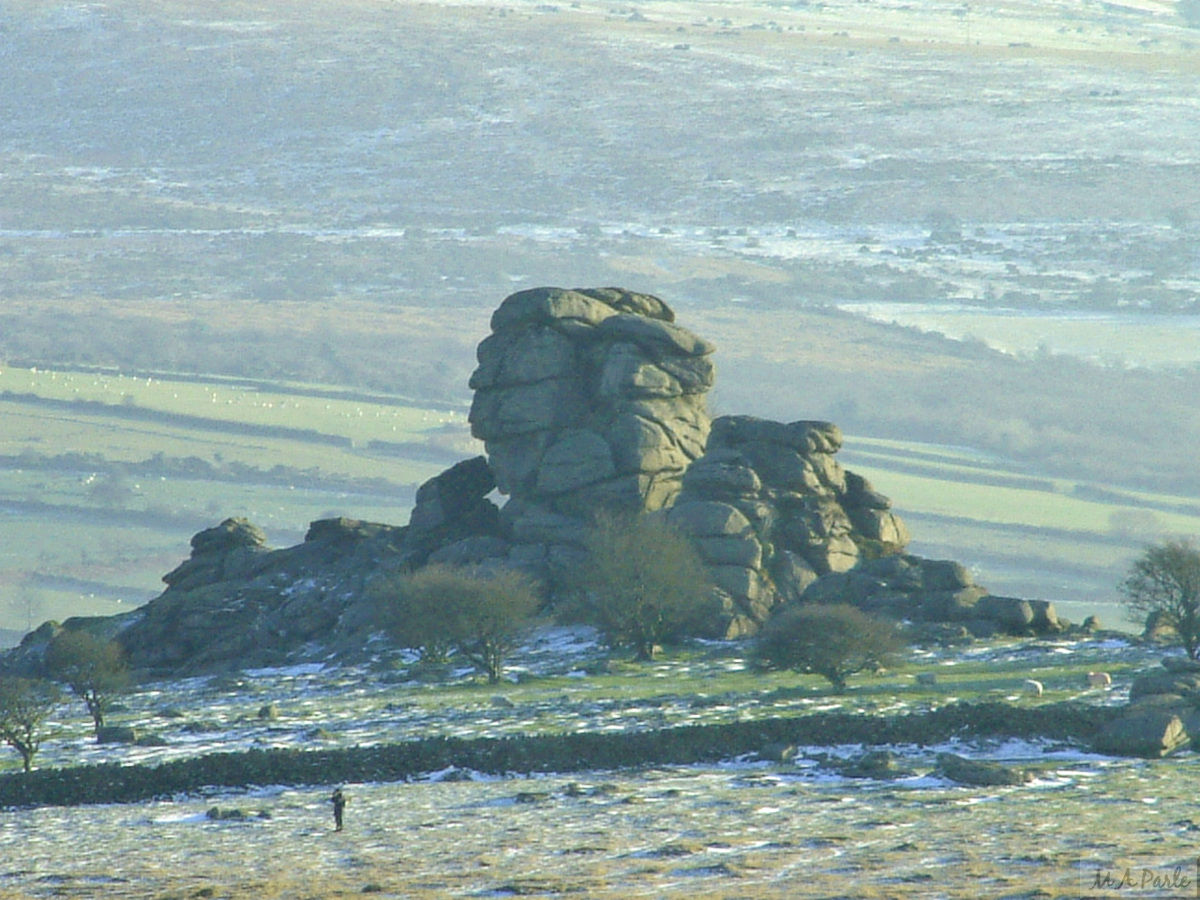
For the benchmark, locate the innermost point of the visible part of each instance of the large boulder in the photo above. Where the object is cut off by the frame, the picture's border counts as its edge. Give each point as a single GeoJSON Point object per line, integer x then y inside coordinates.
{"type": "Point", "coordinates": [231, 549]}
{"type": "Point", "coordinates": [980, 772]}
{"type": "Point", "coordinates": [453, 506]}
{"type": "Point", "coordinates": [581, 387]}
{"type": "Point", "coordinates": [585, 400]}
{"type": "Point", "coordinates": [801, 514]}
{"type": "Point", "coordinates": [1148, 732]}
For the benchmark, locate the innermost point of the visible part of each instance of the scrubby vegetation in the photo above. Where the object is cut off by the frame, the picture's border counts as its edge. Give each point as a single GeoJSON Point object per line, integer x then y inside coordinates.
{"type": "Point", "coordinates": [482, 616]}
{"type": "Point", "coordinates": [833, 640]}
{"type": "Point", "coordinates": [1163, 591]}
{"type": "Point", "coordinates": [641, 583]}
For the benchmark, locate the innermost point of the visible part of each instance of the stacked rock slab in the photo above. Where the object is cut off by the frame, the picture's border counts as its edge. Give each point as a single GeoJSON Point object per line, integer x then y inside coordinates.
{"type": "Point", "coordinates": [770, 510]}
{"type": "Point", "coordinates": [1162, 716]}
{"type": "Point", "coordinates": [586, 400]}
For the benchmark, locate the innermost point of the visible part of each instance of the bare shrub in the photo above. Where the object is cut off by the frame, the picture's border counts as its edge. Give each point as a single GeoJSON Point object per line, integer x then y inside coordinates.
{"type": "Point", "coordinates": [834, 641]}
{"type": "Point", "coordinates": [94, 669]}
{"type": "Point", "coordinates": [482, 616]}
{"type": "Point", "coordinates": [24, 705]}
{"type": "Point", "coordinates": [642, 584]}
{"type": "Point", "coordinates": [1165, 582]}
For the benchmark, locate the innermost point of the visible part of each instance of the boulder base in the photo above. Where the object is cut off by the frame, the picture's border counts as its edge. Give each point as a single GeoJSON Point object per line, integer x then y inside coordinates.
{"type": "Point", "coordinates": [1149, 733]}
{"type": "Point", "coordinates": [978, 772]}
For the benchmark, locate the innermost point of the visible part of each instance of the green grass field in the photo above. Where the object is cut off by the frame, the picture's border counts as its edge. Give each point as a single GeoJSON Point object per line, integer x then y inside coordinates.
{"type": "Point", "coordinates": [105, 477]}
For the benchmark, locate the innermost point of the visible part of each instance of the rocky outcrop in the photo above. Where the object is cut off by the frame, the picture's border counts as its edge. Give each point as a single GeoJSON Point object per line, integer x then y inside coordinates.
{"type": "Point", "coordinates": [227, 552]}
{"type": "Point", "coordinates": [238, 603]}
{"type": "Point", "coordinates": [585, 400]}
{"type": "Point", "coordinates": [771, 510]}
{"type": "Point", "coordinates": [921, 590]}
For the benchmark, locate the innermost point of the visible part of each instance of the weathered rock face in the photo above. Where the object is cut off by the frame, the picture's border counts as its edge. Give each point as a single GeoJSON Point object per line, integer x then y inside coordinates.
{"type": "Point", "coordinates": [237, 603]}
{"type": "Point", "coordinates": [771, 510]}
{"type": "Point", "coordinates": [453, 516]}
{"type": "Point", "coordinates": [909, 587]}
{"type": "Point", "coordinates": [586, 400]}
{"type": "Point", "coordinates": [590, 397]}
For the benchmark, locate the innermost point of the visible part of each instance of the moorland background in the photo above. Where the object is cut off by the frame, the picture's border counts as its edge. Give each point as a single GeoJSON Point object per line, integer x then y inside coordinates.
{"type": "Point", "coordinates": [246, 252]}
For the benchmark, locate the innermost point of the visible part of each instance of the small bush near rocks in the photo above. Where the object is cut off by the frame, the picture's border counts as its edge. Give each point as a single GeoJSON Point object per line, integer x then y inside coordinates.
{"type": "Point", "coordinates": [834, 641]}
{"type": "Point", "coordinates": [482, 616]}
{"type": "Point", "coordinates": [641, 584]}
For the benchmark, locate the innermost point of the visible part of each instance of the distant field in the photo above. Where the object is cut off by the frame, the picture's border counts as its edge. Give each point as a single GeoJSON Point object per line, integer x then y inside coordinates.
{"type": "Point", "coordinates": [104, 477]}
{"type": "Point", "coordinates": [1125, 339]}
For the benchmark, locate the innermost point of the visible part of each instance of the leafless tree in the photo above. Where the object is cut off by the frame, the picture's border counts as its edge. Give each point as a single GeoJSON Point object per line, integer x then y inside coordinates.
{"type": "Point", "coordinates": [482, 616]}
{"type": "Point", "coordinates": [642, 584]}
{"type": "Point", "coordinates": [24, 705]}
{"type": "Point", "coordinates": [94, 669]}
{"type": "Point", "coordinates": [1165, 582]}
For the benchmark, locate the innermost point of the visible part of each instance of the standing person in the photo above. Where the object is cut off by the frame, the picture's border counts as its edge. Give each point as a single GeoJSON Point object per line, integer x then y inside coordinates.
{"type": "Point", "coordinates": [339, 806]}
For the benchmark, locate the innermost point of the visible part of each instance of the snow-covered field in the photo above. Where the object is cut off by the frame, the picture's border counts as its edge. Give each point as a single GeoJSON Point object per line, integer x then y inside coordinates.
{"type": "Point", "coordinates": [743, 828]}
{"type": "Point", "coordinates": [740, 830]}
{"type": "Point", "coordinates": [549, 691]}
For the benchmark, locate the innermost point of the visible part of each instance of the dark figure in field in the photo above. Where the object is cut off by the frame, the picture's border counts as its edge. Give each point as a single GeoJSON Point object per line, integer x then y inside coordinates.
{"type": "Point", "coordinates": [339, 806]}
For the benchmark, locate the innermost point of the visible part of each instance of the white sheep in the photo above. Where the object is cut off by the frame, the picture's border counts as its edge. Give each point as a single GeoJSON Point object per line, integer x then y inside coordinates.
{"type": "Point", "coordinates": [1033, 688]}
{"type": "Point", "coordinates": [1099, 680]}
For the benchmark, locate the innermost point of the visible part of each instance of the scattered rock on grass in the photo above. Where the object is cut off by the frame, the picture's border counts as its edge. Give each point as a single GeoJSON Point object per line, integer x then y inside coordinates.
{"type": "Point", "coordinates": [875, 764]}
{"type": "Point", "coordinates": [116, 734]}
{"type": "Point", "coordinates": [778, 752]}
{"type": "Point", "coordinates": [1147, 732]}
{"type": "Point", "coordinates": [979, 772]}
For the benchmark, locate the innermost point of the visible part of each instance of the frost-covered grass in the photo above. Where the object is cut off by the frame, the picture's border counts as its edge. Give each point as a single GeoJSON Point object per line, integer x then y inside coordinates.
{"type": "Point", "coordinates": [743, 828]}
{"type": "Point", "coordinates": [738, 830]}
{"type": "Point", "coordinates": [560, 682]}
